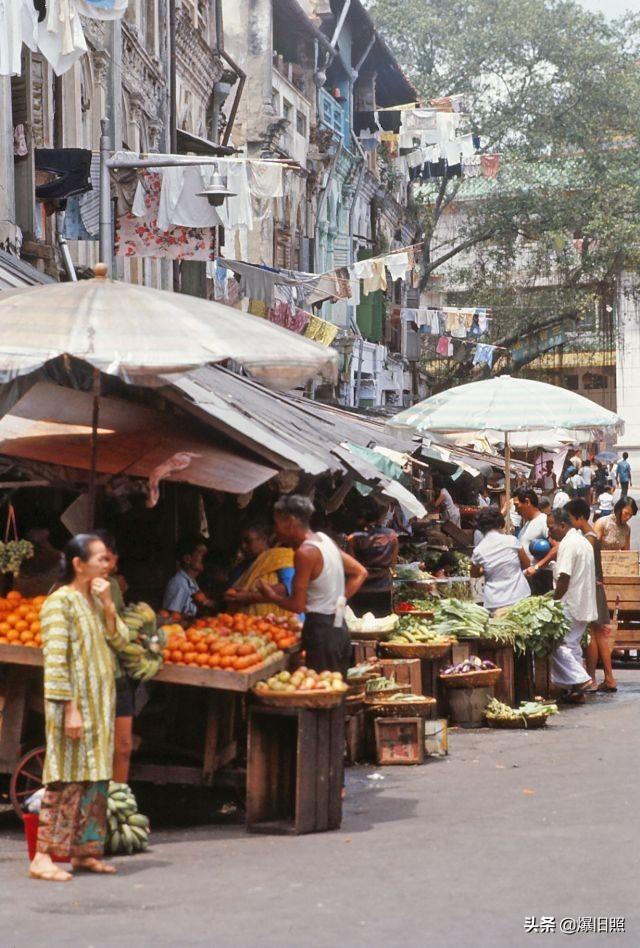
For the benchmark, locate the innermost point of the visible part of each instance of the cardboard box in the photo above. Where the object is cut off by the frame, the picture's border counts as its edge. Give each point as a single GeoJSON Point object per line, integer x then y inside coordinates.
{"type": "Point", "coordinates": [620, 563]}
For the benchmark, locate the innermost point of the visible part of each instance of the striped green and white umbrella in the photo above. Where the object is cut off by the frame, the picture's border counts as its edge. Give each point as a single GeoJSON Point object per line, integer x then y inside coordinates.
{"type": "Point", "coordinates": [505, 406]}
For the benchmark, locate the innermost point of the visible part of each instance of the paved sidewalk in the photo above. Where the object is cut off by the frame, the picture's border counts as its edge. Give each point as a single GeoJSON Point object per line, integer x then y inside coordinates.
{"type": "Point", "coordinates": [455, 853]}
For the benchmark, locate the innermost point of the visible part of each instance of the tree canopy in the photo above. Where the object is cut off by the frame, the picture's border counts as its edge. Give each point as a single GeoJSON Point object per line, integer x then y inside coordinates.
{"type": "Point", "coordinates": [554, 90]}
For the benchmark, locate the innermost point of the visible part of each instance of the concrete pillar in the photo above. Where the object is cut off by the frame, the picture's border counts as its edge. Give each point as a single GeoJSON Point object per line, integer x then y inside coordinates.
{"type": "Point", "coordinates": [7, 191]}
{"type": "Point", "coordinates": [628, 364]}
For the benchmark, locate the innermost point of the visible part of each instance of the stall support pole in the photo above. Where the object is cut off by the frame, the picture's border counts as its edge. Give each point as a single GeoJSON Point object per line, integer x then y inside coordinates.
{"type": "Point", "coordinates": [507, 482]}
{"type": "Point", "coordinates": [91, 515]}
{"type": "Point", "coordinates": [106, 223]}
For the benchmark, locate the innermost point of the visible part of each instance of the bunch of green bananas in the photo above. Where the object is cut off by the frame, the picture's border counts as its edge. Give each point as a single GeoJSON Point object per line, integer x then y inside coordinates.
{"type": "Point", "coordinates": [138, 663]}
{"type": "Point", "coordinates": [128, 830]}
{"type": "Point", "coordinates": [140, 619]}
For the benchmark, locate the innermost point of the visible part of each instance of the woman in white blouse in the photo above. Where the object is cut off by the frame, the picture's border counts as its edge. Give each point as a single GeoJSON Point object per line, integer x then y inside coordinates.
{"type": "Point", "coordinates": [500, 558]}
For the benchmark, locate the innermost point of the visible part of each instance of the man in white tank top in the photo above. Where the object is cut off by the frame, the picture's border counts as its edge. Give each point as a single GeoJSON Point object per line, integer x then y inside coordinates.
{"type": "Point", "coordinates": [325, 578]}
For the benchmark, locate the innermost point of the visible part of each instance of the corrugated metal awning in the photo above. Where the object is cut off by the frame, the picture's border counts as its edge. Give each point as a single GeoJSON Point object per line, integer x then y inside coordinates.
{"type": "Point", "coordinates": [52, 425]}
{"type": "Point", "coordinates": [16, 273]}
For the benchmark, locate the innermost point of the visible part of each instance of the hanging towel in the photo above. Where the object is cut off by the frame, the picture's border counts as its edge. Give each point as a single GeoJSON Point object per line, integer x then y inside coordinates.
{"type": "Point", "coordinates": [179, 204]}
{"type": "Point", "coordinates": [321, 331]}
{"type": "Point", "coordinates": [460, 326]}
{"type": "Point", "coordinates": [60, 35]}
{"type": "Point", "coordinates": [397, 264]}
{"type": "Point", "coordinates": [378, 278]}
{"type": "Point", "coordinates": [444, 346]}
{"type": "Point", "coordinates": [483, 323]}
{"type": "Point", "coordinates": [236, 212]}
{"type": "Point", "coordinates": [18, 25]}
{"type": "Point", "coordinates": [490, 165]}
{"type": "Point", "coordinates": [265, 179]}
{"type": "Point", "coordinates": [362, 270]}
{"type": "Point", "coordinates": [484, 354]}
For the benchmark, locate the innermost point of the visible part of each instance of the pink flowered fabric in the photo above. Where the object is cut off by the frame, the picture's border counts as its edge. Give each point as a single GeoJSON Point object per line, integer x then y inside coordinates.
{"type": "Point", "coordinates": [140, 236]}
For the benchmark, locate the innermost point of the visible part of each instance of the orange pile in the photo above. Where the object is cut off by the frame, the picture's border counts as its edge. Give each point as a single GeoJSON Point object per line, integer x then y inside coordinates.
{"type": "Point", "coordinates": [20, 620]}
{"type": "Point", "coordinates": [237, 643]}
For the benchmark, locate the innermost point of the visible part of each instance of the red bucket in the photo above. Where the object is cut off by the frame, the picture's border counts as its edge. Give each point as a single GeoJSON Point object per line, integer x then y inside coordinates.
{"type": "Point", "coordinates": [31, 821]}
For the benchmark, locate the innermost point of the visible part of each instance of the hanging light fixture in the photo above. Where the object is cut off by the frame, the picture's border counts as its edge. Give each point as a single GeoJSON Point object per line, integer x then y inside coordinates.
{"type": "Point", "coordinates": [216, 193]}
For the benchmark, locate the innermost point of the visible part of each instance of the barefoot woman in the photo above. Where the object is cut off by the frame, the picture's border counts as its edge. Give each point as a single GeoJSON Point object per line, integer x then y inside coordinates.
{"type": "Point", "coordinates": [80, 630]}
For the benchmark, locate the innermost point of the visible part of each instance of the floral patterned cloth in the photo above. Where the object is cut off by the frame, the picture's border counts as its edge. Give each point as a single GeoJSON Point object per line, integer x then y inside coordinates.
{"type": "Point", "coordinates": [73, 819]}
{"type": "Point", "coordinates": [139, 236]}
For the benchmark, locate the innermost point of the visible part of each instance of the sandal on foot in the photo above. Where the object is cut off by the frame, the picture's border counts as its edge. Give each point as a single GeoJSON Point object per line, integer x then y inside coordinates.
{"type": "Point", "coordinates": [609, 689]}
{"type": "Point", "coordinates": [51, 875]}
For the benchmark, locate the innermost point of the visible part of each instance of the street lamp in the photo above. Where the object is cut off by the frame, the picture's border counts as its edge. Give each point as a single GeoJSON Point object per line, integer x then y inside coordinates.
{"type": "Point", "coordinates": [216, 193]}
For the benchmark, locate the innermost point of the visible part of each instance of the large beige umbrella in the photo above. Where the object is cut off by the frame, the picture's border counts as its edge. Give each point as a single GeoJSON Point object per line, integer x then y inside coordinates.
{"type": "Point", "coordinates": [138, 334]}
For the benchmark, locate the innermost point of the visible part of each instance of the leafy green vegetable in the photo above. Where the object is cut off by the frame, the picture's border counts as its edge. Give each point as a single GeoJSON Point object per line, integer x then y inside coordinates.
{"type": "Point", "coordinates": [463, 619]}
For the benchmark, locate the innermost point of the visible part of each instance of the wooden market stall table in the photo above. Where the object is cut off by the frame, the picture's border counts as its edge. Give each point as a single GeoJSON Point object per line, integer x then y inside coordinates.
{"type": "Point", "coordinates": [208, 694]}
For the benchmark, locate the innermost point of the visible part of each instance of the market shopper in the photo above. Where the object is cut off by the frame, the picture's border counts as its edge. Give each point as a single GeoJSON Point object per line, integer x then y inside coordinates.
{"type": "Point", "coordinates": [376, 548]}
{"type": "Point", "coordinates": [325, 578]}
{"type": "Point", "coordinates": [534, 527]}
{"type": "Point", "coordinates": [605, 502]}
{"type": "Point", "coordinates": [576, 588]}
{"type": "Point", "coordinates": [444, 503]}
{"type": "Point", "coordinates": [623, 474]}
{"type": "Point", "coordinates": [80, 629]}
{"type": "Point", "coordinates": [586, 473]}
{"type": "Point", "coordinates": [600, 634]}
{"type": "Point", "coordinates": [183, 594]}
{"type": "Point", "coordinates": [263, 563]}
{"type": "Point", "coordinates": [614, 531]}
{"type": "Point", "coordinates": [500, 558]}
{"type": "Point", "coordinates": [561, 498]}
{"type": "Point", "coordinates": [547, 481]}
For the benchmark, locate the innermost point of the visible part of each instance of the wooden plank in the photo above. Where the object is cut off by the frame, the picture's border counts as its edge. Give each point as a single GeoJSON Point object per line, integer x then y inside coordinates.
{"type": "Point", "coordinates": [336, 767]}
{"type": "Point", "coordinates": [21, 655]}
{"type": "Point", "coordinates": [405, 671]}
{"type": "Point", "coordinates": [322, 766]}
{"type": "Point", "coordinates": [220, 678]}
{"type": "Point", "coordinates": [257, 789]}
{"type": "Point", "coordinates": [307, 766]}
{"type": "Point", "coordinates": [210, 747]}
{"type": "Point", "coordinates": [13, 718]}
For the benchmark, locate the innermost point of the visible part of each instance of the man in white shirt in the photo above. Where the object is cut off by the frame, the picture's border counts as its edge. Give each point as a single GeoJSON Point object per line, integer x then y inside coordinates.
{"type": "Point", "coordinates": [534, 527]}
{"type": "Point", "coordinates": [576, 589]}
{"type": "Point", "coordinates": [560, 499]}
{"type": "Point", "coordinates": [576, 460]}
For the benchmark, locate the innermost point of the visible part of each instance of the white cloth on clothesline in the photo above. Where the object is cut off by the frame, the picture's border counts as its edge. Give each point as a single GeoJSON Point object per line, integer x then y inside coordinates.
{"type": "Point", "coordinates": [60, 36]}
{"type": "Point", "coordinates": [18, 25]}
{"type": "Point", "coordinates": [397, 264]}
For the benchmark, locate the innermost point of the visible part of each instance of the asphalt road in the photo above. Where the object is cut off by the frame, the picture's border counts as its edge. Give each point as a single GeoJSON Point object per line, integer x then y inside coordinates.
{"type": "Point", "coordinates": [457, 852]}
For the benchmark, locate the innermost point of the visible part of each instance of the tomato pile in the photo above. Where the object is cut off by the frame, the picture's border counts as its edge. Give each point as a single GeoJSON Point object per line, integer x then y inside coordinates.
{"type": "Point", "coordinates": [20, 620]}
{"type": "Point", "coordinates": [236, 642]}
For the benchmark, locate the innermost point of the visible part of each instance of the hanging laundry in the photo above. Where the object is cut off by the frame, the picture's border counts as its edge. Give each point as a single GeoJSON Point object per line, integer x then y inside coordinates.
{"type": "Point", "coordinates": [60, 36]}
{"type": "Point", "coordinates": [265, 179]}
{"type": "Point", "coordinates": [490, 165]}
{"type": "Point", "coordinates": [459, 330]}
{"type": "Point", "coordinates": [258, 308]}
{"type": "Point", "coordinates": [444, 346]}
{"type": "Point", "coordinates": [361, 270]}
{"type": "Point", "coordinates": [18, 25]}
{"type": "Point", "coordinates": [434, 323]}
{"type": "Point", "coordinates": [484, 354]}
{"type": "Point", "coordinates": [468, 317]}
{"type": "Point", "coordinates": [73, 227]}
{"type": "Point", "coordinates": [102, 9]}
{"type": "Point", "coordinates": [73, 166]}
{"type": "Point", "coordinates": [89, 203]}
{"type": "Point", "coordinates": [483, 323]}
{"type": "Point", "coordinates": [179, 204]}
{"type": "Point", "coordinates": [474, 329]}
{"type": "Point", "coordinates": [378, 278]}
{"type": "Point", "coordinates": [343, 282]}
{"type": "Point", "coordinates": [321, 331]}
{"type": "Point", "coordinates": [397, 264]}
{"type": "Point", "coordinates": [471, 167]}
{"type": "Point", "coordinates": [138, 234]}
{"type": "Point", "coordinates": [409, 315]}
{"type": "Point", "coordinates": [450, 320]}
{"type": "Point", "coordinates": [422, 120]}
{"type": "Point", "coordinates": [236, 212]}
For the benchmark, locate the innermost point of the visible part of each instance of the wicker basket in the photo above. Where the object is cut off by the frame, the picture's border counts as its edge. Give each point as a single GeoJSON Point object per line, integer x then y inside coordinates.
{"type": "Point", "coordinates": [300, 699]}
{"type": "Point", "coordinates": [388, 692]}
{"type": "Point", "coordinates": [372, 636]}
{"type": "Point", "coordinates": [533, 722]}
{"type": "Point", "coordinates": [363, 679]}
{"type": "Point", "coordinates": [419, 650]}
{"type": "Point", "coordinates": [400, 709]}
{"type": "Point", "coordinates": [477, 679]}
